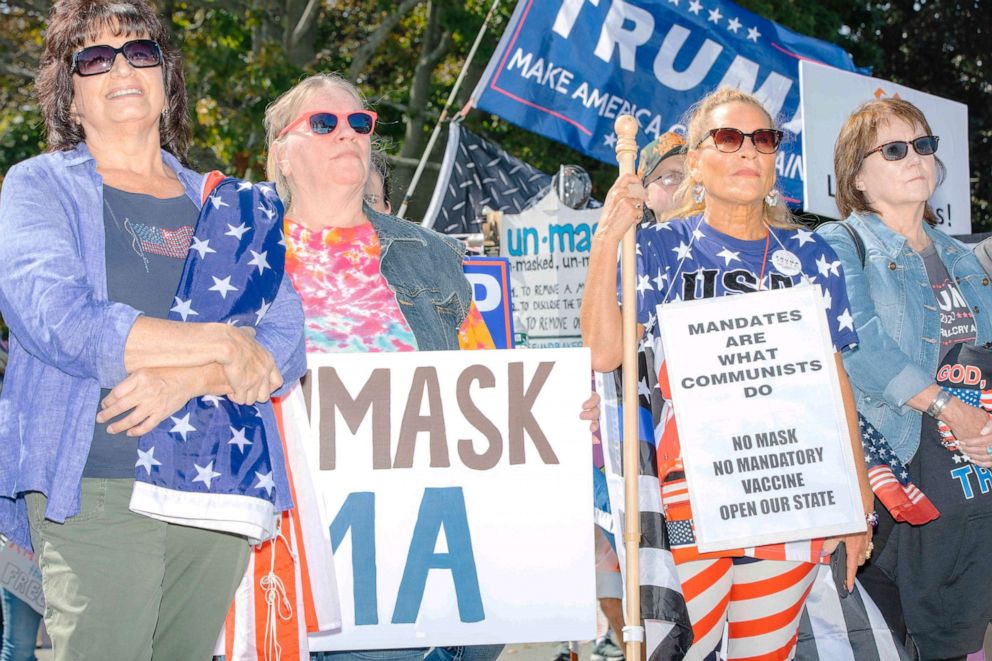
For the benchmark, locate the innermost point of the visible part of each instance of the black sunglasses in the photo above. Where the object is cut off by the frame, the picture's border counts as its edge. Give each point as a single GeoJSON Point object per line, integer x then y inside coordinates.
{"type": "Point", "coordinates": [728, 140]}
{"type": "Point", "coordinates": [925, 145]}
{"type": "Point", "coordinates": [94, 60]}
{"type": "Point", "coordinates": [324, 122]}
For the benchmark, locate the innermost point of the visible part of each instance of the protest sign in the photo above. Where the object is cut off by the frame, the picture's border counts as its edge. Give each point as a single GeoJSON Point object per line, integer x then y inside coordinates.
{"type": "Point", "coordinates": [456, 491]}
{"type": "Point", "coordinates": [763, 432]}
{"type": "Point", "coordinates": [20, 575]}
{"type": "Point", "coordinates": [830, 95]}
{"type": "Point", "coordinates": [548, 248]}
{"type": "Point", "coordinates": [566, 69]}
{"type": "Point", "coordinates": [490, 280]}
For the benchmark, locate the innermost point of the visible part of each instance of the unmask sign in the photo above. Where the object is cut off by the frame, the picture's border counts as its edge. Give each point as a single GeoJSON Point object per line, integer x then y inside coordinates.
{"type": "Point", "coordinates": [456, 490]}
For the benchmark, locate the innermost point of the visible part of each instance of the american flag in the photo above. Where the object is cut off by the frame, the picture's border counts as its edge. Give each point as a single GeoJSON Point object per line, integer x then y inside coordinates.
{"type": "Point", "coordinates": [889, 479]}
{"type": "Point", "coordinates": [167, 243]}
{"type": "Point", "coordinates": [214, 463]}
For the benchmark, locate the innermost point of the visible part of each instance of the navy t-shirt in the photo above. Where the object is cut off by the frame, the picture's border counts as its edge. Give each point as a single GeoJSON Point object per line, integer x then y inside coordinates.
{"type": "Point", "coordinates": [147, 239]}
{"type": "Point", "coordinates": [686, 259]}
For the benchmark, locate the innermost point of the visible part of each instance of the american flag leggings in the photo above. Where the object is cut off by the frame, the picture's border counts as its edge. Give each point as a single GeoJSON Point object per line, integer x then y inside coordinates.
{"type": "Point", "coordinates": [744, 609]}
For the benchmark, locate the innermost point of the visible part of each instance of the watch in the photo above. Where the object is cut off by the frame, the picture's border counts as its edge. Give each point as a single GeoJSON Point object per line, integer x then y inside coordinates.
{"type": "Point", "coordinates": [938, 404]}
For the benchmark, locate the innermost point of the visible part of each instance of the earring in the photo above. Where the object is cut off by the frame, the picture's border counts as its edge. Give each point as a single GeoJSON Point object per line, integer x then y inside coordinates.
{"type": "Point", "coordinates": [772, 198]}
{"type": "Point", "coordinates": [165, 114]}
{"type": "Point", "coordinates": [698, 193]}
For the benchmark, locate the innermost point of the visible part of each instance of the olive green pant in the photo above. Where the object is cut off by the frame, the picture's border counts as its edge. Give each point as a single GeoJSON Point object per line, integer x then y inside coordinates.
{"type": "Point", "coordinates": [123, 587]}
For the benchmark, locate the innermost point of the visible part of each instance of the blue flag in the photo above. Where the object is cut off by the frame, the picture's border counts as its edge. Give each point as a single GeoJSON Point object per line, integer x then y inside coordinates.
{"type": "Point", "coordinates": [567, 68]}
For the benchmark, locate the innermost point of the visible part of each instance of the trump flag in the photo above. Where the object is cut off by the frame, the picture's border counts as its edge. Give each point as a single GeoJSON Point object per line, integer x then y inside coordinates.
{"type": "Point", "coordinates": [566, 69]}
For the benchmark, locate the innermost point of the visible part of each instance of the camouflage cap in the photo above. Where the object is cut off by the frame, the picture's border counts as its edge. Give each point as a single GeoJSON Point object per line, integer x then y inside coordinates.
{"type": "Point", "coordinates": [665, 145]}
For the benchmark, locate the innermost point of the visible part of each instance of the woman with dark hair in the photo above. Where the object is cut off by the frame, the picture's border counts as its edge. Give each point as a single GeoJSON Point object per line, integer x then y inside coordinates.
{"type": "Point", "coordinates": [919, 299]}
{"type": "Point", "coordinates": [97, 235]}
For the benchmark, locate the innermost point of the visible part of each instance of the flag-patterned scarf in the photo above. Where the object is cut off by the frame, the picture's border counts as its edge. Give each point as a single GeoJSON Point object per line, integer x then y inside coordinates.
{"type": "Point", "coordinates": [889, 479]}
{"type": "Point", "coordinates": [213, 464]}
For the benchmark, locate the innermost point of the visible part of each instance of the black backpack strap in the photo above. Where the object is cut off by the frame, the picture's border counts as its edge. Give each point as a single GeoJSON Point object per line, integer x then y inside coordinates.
{"type": "Point", "coordinates": [859, 245]}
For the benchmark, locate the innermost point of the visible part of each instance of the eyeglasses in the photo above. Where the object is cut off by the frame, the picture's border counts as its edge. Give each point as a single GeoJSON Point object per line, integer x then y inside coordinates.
{"type": "Point", "coordinates": [925, 145]}
{"type": "Point", "coordinates": [667, 179]}
{"type": "Point", "coordinates": [728, 140]}
{"type": "Point", "coordinates": [94, 60]}
{"type": "Point", "coordinates": [324, 122]}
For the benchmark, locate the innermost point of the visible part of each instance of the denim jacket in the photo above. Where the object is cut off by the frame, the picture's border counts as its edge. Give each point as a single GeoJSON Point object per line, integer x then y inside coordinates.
{"type": "Point", "coordinates": [898, 322]}
{"type": "Point", "coordinates": [66, 339]}
{"type": "Point", "coordinates": [424, 270]}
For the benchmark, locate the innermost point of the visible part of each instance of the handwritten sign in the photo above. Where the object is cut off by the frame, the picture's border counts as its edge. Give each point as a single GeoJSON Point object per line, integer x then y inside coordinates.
{"type": "Point", "coordinates": [761, 420]}
{"type": "Point", "coordinates": [19, 574]}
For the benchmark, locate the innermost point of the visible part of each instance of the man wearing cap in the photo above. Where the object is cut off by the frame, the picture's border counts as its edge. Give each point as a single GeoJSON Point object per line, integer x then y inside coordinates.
{"type": "Point", "coordinates": [661, 171]}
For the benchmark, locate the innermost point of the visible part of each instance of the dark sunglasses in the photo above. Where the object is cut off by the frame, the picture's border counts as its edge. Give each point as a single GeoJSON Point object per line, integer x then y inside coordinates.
{"type": "Point", "coordinates": [727, 140]}
{"type": "Point", "coordinates": [94, 60]}
{"type": "Point", "coordinates": [925, 145]}
{"type": "Point", "coordinates": [324, 122]}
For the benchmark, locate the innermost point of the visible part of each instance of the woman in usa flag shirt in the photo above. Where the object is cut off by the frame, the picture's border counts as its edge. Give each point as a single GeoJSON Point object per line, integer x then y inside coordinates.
{"type": "Point", "coordinates": [729, 234]}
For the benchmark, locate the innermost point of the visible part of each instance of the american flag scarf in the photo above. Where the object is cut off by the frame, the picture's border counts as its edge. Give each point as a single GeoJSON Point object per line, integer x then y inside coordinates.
{"type": "Point", "coordinates": [889, 479]}
{"type": "Point", "coordinates": [214, 464]}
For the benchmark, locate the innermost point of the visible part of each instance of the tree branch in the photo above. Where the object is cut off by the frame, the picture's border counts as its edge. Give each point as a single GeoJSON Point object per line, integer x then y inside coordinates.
{"type": "Point", "coordinates": [307, 18]}
{"type": "Point", "coordinates": [383, 30]}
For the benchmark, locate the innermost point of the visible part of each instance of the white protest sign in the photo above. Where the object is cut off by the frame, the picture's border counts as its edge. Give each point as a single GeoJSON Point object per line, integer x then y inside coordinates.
{"type": "Point", "coordinates": [548, 248]}
{"type": "Point", "coordinates": [761, 421]}
{"type": "Point", "coordinates": [20, 575]}
{"type": "Point", "coordinates": [829, 95]}
{"type": "Point", "coordinates": [456, 489]}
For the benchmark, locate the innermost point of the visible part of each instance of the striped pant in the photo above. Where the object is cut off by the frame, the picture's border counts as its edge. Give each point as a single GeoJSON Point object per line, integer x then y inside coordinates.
{"type": "Point", "coordinates": [744, 609]}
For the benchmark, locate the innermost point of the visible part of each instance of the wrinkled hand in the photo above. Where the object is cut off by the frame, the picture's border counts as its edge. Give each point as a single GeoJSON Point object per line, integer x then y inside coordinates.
{"type": "Point", "coordinates": [150, 395]}
{"type": "Point", "coordinates": [249, 368]}
{"type": "Point", "coordinates": [965, 421]}
{"type": "Point", "coordinates": [857, 552]}
{"type": "Point", "coordinates": [977, 447]}
{"type": "Point", "coordinates": [623, 208]}
{"type": "Point", "coordinates": [590, 411]}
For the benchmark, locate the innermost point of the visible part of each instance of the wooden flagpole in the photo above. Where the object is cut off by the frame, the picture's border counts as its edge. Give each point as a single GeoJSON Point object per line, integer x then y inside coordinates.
{"type": "Point", "coordinates": [633, 632]}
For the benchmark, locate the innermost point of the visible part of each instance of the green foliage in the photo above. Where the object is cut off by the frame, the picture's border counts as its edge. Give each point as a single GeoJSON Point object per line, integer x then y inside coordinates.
{"type": "Point", "coordinates": [240, 54]}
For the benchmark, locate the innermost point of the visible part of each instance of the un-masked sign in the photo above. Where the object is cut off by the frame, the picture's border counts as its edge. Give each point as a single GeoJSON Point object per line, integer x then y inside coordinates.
{"type": "Point", "coordinates": [567, 68]}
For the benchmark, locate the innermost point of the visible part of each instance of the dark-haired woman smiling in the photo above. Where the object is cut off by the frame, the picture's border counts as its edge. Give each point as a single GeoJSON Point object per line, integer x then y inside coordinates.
{"type": "Point", "coordinates": [95, 238]}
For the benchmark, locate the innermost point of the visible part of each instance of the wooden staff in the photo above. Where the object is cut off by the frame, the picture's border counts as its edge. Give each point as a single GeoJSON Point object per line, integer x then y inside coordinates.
{"type": "Point", "coordinates": [633, 632]}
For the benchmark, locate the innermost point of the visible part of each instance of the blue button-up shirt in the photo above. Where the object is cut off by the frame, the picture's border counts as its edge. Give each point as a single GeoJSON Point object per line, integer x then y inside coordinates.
{"type": "Point", "coordinates": [66, 339]}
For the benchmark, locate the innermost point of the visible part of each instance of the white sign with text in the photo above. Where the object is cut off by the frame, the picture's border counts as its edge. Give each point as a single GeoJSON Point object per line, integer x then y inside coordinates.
{"type": "Point", "coordinates": [548, 248]}
{"type": "Point", "coordinates": [456, 489]}
{"type": "Point", "coordinates": [829, 95]}
{"type": "Point", "coordinates": [761, 419]}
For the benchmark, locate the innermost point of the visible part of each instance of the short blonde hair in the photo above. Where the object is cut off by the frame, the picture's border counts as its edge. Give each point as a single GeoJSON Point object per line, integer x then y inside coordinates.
{"type": "Point", "coordinates": [284, 110]}
{"type": "Point", "coordinates": [858, 136]}
{"type": "Point", "coordinates": [698, 123]}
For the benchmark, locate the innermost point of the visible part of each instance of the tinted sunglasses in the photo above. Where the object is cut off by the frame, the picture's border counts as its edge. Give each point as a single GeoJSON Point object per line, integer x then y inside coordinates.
{"type": "Point", "coordinates": [765, 141]}
{"type": "Point", "coordinates": [324, 122]}
{"type": "Point", "coordinates": [896, 151]}
{"type": "Point", "coordinates": [94, 60]}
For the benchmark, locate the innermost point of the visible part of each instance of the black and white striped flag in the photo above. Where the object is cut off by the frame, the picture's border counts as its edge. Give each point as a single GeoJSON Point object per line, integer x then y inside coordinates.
{"type": "Point", "coordinates": [476, 174]}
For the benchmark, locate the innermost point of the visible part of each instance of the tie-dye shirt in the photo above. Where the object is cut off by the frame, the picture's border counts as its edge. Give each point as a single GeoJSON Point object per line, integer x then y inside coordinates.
{"type": "Point", "coordinates": [348, 305]}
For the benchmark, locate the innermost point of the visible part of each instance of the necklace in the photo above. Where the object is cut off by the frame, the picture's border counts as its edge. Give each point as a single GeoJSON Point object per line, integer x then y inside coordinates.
{"type": "Point", "coordinates": [764, 258]}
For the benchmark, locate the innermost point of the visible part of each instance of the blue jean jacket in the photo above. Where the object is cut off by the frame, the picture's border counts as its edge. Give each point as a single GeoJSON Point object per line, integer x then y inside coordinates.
{"type": "Point", "coordinates": [898, 322]}
{"type": "Point", "coordinates": [424, 270]}
{"type": "Point", "coordinates": [66, 339]}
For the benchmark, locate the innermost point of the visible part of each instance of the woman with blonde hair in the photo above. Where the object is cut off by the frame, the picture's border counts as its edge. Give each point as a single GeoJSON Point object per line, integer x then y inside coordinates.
{"type": "Point", "coordinates": [919, 300]}
{"type": "Point", "coordinates": [729, 234]}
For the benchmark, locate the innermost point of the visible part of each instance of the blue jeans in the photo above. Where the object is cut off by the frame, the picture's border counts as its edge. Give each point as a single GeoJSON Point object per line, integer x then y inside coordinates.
{"type": "Point", "coordinates": [467, 653]}
{"type": "Point", "coordinates": [20, 629]}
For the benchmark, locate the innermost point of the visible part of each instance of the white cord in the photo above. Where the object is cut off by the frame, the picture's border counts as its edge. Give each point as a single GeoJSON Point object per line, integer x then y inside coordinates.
{"type": "Point", "coordinates": [277, 605]}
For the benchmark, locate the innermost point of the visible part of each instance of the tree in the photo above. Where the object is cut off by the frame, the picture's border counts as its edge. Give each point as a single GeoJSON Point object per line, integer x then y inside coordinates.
{"type": "Point", "coordinates": [406, 54]}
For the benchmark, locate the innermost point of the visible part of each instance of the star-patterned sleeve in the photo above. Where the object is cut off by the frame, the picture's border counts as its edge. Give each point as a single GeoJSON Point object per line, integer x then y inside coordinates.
{"type": "Point", "coordinates": [651, 278]}
{"type": "Point", "coordinates": [474, 334]}
{"type": "Point", "coordinates": [822, 267]}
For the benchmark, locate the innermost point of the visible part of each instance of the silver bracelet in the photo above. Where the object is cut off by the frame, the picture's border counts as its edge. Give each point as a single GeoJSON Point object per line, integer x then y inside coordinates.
{"type": "Point", "coordinates": [938, 404]}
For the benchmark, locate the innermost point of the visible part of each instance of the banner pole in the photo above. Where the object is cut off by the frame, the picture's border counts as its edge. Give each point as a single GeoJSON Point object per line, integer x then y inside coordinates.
{"type": "Point", "coordinates": [633, 632]}
{"type": "Point", "coordinates": [444, 113]}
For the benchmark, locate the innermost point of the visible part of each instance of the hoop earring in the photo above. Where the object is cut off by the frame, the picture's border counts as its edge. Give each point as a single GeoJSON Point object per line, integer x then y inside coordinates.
{"type": "Point", "coordinates": [698, 193]}
{"type": "Point", "coordinates": [772, 198]}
